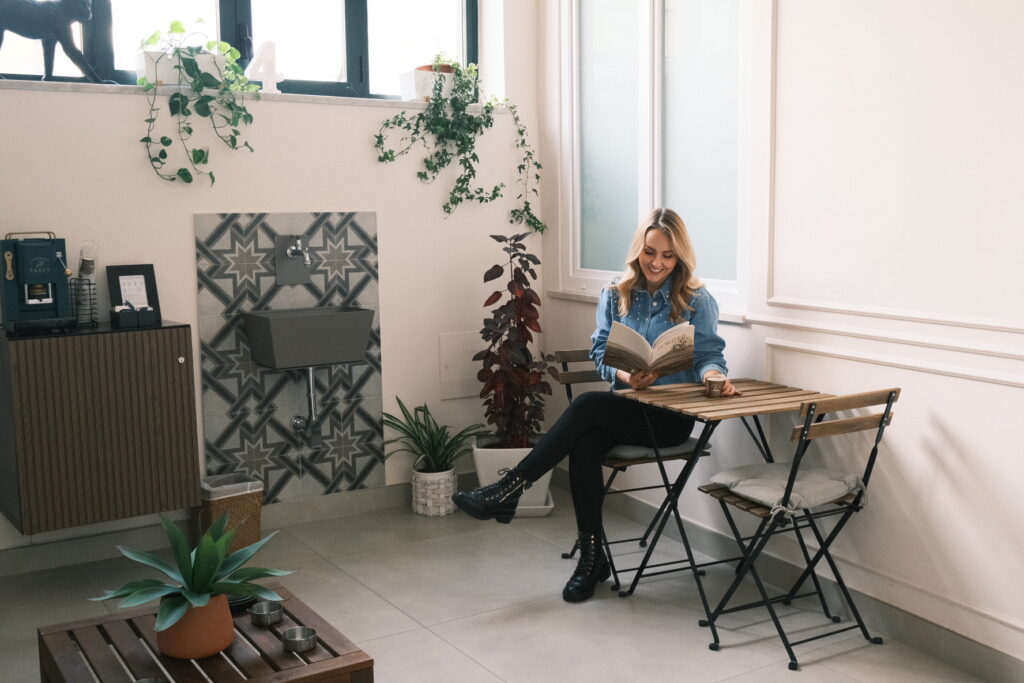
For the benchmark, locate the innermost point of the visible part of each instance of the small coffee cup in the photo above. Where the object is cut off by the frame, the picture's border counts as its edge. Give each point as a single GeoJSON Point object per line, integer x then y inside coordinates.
{"type": "Point", "coordinates": [713, 386]}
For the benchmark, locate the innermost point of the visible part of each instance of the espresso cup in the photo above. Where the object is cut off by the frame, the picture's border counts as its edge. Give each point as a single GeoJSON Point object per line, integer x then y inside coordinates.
{"type": "Point", "coordinates": [713, 387]}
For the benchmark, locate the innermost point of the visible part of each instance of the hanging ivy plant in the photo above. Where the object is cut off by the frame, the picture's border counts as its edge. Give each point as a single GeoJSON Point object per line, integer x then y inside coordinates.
{"type": "Point", "coordinates": [448, 129]}
{"type": "Point", "coordinates": [216, 95]}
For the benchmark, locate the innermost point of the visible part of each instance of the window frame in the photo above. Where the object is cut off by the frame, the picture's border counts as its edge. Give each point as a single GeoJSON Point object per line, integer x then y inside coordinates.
{"type": "Point", "coordinates": [577, 280]}
{"type": "Point", "coordinates": [235, 21]}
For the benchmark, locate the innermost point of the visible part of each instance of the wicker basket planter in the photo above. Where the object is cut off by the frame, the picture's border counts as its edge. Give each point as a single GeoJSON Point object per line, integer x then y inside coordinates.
{"type": "Point", "coordinates": [432, 493]}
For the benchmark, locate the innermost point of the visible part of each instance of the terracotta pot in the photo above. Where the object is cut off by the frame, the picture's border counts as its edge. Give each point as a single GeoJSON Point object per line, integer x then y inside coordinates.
{"type": "Point", "coordinates": [443, 68]}
{"type": "Point", "coordinates": [202, 632]}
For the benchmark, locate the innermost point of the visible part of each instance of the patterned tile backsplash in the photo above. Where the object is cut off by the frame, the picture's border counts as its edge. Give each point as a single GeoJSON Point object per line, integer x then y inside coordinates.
{"type": "Point", "coordinates": [247, 408]}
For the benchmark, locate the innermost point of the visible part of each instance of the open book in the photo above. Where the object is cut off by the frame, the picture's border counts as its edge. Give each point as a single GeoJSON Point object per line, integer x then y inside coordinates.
{"type": "Point", "coordinates": [671, 352]}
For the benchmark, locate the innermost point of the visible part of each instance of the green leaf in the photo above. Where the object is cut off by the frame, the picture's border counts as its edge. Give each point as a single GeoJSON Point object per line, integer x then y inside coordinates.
{"type": "Point", "coordinates": [202, 105]}
{"type": "Point", "coordinates": [152, 40]}
{"type": "Point", "coordinates": [191, 66]}
{"type": "Point", "coordinates": [245, 590]}
{"type": "Point", "coordinates": [196, 599]}
{"type": "Point", "coordinates": [177, 27]}
{"type": "Point", "coordinates": [153, 561]}
{"type": "Point", "coordinates": [208, 80]}
{"type": "Point", "coordinates": [177, 104]}
{"type": "Point", "coordinates": [185, 175]}
{"type": "Point", "coordinates": [166, 141]}
{"type": "Point", "coordinates": [162, 154]}
{"type": "Point", "coordinates": [216, 529]}
{"type": "Point", "coordinates": [172, 608]}
{"type": "Point", "coordinates": [179, 545]}
{"type": "Point", "coordinates": [250, 573]}
{"type": "Point", "coordinates": [130, 588]}
{"type": "Point", "coordinates": [208, 559]}
{"type": "Point", "coordinates": [141, 597]}
{"type": "Point", "coordinates": [146, 139]}
{"type": "Point", "coordinates": [199, 156]}
{"type": "Point", "coordinates": [241, 556]}
{"type": "Point", "coordinates": [212, 178]}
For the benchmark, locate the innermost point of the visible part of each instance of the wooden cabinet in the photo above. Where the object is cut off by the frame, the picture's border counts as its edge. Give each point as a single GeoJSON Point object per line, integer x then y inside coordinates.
{"type": "Point", "coordinates": [97, 426]}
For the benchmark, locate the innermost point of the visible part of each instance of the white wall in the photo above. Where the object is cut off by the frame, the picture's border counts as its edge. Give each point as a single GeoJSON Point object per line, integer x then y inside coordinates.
{"type": "Point", "coordinates": [70, 162]}
{"type": "Point", "coordinates": [884, 250]}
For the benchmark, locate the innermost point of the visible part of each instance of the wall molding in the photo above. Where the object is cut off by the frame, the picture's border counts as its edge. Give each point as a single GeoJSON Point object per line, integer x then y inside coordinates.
{"type": "Point", "coordinates": [771, 298]}
{"type": "Point", "coordinates": [875, 312]}
{"type": "Point", "coordinates": [926, 342]}
{"type": "Point", "coordinates": [928, 368]}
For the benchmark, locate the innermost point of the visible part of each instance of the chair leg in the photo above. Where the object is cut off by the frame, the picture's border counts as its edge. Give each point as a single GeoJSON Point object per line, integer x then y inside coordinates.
{"type": "Point", "coordinates": [814, 576]}
{"type": "Point", "coordinates": [793, 664]}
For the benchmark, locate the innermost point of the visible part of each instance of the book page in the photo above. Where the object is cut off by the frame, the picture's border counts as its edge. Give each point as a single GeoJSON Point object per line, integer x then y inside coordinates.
{"type": "Point", "coordinates": [626, 349]}
{"type": "Point", "coordinates": [673, 350]}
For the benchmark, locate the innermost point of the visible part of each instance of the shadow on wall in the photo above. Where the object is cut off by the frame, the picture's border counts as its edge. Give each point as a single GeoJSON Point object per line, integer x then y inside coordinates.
{"type": "Point", "coordinates": [247, 408]}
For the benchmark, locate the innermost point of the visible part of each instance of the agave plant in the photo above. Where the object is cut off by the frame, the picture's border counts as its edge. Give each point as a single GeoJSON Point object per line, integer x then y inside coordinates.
{"type": "Point", "coordinates": [198, 574]}
{"type": "Point", "coordinates": [435, 448]}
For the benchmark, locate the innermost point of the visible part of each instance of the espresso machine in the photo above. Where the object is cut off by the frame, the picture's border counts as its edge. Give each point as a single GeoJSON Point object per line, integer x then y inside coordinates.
{"type": "Point", "coordinates": [34, 291]}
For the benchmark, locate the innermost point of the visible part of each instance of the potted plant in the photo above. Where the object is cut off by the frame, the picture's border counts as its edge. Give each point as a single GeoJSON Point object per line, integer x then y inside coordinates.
{"type": "Point", "coordinates": [436, 450]}
{"type": "Point", "coordinates": [211, 85]}
{"type": "Point", "coordinates": [194, 619]}
{"type": "Point", "coordinates": [514, 383]}
{"type": "Point", "coordinates": [448, 128]}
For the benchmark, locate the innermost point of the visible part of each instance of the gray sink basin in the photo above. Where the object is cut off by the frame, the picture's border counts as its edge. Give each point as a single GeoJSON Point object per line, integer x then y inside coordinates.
{"type": "Point", "coordinates": [304, 337]}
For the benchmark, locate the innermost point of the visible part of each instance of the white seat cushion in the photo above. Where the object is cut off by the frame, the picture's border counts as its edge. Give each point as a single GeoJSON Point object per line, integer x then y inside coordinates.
{"type": "Point", "coordinates": [765, 483]}
{"type": "Point", "coordinates": [627, 451]}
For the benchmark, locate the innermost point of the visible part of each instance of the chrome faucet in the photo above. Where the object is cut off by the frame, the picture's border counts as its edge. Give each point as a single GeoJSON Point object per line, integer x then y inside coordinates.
{"type": "Point", "coordinates": [296, 249]}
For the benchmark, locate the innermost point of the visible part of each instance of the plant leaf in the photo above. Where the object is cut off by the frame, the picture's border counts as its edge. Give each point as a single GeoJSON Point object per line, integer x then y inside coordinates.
{"type": "Point", "coordinates": [185, 175]}
{"type": "Point", "coordinates": [241, 556]}
{"type": "Point", "coordinates": [493, 272]}
{"type": "Point", "coordinates": [153, 561]}
{"type": "Point", "coordinates": [141, 597]}
{"type": "Point", "coordinates": [208, 560]}
{"type": "Point", "coordinates": [179, 545]}
{"type": "Point", "coordinates": [216, 529]}
{"type": "Point", "coordinates": [172, 608]}
{"type": "Point", "coordinates": [129, 588]}
{"type": "Point", "coordinates": [250, 573]}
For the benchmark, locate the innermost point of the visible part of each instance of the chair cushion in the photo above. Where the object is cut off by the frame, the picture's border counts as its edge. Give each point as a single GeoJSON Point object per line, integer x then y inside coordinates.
{"type": "Point", "coordinates": [765, 483]}
{"type": "Point", "coordinates": [625, 451]}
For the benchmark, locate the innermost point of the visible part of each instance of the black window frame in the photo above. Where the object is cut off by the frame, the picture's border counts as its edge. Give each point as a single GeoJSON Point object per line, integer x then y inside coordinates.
{"type": "Point", "coordinates": [235, 23]}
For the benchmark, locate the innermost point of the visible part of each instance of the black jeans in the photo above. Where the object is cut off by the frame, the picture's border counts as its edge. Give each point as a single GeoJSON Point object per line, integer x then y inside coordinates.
{"type": "Point", "coordinates": [589, 428]}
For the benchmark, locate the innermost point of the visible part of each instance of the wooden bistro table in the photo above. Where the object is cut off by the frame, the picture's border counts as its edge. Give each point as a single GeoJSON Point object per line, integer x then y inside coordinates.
{"type": "Point", "coordinates": [122, 647]}
{"type": "Point", "coordinates": [759, 398]}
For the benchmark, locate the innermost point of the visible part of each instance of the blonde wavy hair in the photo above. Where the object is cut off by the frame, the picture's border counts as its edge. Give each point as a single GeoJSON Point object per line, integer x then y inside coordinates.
{"type": "Point", "coordinates": [684, 284]}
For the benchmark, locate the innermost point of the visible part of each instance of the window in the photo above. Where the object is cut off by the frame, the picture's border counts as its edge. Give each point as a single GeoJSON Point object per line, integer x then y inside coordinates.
{"type": "Point", "coordinates": [654, 117]}
{"type": "Point", "coordinates": [353, 48]}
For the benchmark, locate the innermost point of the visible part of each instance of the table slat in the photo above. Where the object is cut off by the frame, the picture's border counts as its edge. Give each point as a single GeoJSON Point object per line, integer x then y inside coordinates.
{"type": "Point", "coordinates": [59, 655]}
{"type": "Point", "coordinates": [182, 670]}
{"type": "Point", "coordinates": [131, 650]}
{"type": "Point", "coordinates": [269, 644]}
{"type": "Point", "coordinates": [94, 648]}
{"type": "Point", "coordinates": [706, 404]}
{"type": "Point", "coordinates": [782, 406]}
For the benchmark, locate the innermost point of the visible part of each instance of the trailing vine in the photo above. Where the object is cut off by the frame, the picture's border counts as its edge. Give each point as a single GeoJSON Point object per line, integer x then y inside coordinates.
{"type": "Point", "coordinates": [448, 129]}
{"type": "Point", "coordinates": [218, 97]}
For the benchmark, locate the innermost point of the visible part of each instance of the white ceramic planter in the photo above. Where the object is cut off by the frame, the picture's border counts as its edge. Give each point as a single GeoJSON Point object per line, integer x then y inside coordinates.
{"type": "Point", "coordinates": [432, 493]}
{"type": "Point", "coordinates": [158, 67]}
{"type": "Point", "coordinates": [535, 501]}
{"type": "Point", "coordinates": [419, 84]}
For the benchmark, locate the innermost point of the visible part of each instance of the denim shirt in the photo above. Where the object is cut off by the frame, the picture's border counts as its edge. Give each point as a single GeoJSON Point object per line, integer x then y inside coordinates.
{"type": "Point", "coordinates": [649, 315]}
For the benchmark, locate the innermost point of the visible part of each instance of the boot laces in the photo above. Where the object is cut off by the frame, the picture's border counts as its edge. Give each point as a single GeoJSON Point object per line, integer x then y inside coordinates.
{"type": "Point", "coordinates": [589, 547]}
{"type": "Point", "coordinates": [510, 483]}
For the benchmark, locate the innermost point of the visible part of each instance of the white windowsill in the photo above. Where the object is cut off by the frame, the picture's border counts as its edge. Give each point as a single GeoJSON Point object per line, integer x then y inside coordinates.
{"type": "Point", "coordinates": [728, 317]}
{"type": "Point", "coordinates": [119, 89]}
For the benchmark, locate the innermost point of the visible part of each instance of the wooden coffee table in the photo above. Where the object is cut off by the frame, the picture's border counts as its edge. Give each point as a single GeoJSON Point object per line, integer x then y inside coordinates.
{"type": "Point", "coordinates": [122, 647]}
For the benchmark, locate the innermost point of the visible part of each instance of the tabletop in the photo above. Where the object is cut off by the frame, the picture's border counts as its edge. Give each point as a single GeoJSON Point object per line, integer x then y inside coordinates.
{"type": "Point", "coordinates": [103, 648]}
{"type": "Point", "coordinates": [759, 398]}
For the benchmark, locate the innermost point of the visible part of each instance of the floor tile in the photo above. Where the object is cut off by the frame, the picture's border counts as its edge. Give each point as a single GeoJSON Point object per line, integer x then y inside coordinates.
{"type": "Point", "coordinates": [891, 660]}
{"type": "Point", "coordinates": [424, 657]}
{"type": "Point", "coordinates": [455, 576]}
{"type": "Point", "coordinates": [353, 609]}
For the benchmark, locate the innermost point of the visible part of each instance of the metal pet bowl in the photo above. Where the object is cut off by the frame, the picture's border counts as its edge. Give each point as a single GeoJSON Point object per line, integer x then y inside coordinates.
{"type": "Point", "coordinates": [266, 613]}
{"type": "Point", "coordinates": [298, 638]}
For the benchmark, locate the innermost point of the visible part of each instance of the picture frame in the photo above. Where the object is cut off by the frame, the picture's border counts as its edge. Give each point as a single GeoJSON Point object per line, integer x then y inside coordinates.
{"type": "Point", "coordinates": [136, 283]}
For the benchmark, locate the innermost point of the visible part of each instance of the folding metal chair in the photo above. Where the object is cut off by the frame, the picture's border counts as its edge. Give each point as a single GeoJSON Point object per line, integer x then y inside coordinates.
{"type": "Point", "coordinates": [796, 496]}
{"type": "Point", "coordinates": [622, 457]}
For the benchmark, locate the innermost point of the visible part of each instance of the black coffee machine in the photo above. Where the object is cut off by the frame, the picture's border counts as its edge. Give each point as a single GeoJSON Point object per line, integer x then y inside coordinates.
{"type": "Point", "coordinates": [34, 284]}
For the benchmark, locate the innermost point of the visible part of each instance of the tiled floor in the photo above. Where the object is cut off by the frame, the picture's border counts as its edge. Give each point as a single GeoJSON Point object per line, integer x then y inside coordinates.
{"type": "Point", "coordinates": [453, 599]}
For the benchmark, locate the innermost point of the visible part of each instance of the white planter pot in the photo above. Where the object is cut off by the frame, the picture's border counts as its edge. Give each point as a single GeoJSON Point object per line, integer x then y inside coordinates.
{"type": "Point", "coordinates": [158, 67]}
{"type": "Point", "coordinates": [432, 493]}
{"type": "Point", "coordinates": [535, 501]}
{"type": "Point", "coordinates": [419, 84]}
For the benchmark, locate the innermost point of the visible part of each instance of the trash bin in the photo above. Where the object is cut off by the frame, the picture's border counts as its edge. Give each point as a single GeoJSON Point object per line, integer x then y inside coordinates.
{"type": "Point", "coordinates": [237, 494]}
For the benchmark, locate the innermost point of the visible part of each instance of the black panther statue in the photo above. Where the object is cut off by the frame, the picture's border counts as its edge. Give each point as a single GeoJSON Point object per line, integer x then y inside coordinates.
{"type": "Point", "coordinates": [49, 21]}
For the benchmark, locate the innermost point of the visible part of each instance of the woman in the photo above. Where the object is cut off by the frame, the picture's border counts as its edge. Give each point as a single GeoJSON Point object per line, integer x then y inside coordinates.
{"type": "Point", "coordinates": [657, 291]}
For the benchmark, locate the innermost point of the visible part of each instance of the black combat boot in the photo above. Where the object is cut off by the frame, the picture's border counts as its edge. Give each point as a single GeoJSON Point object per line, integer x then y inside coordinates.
{"type": "Point", "coordinates": [494, 501]}
{"type": "Point", "coordinates": [592, 569]}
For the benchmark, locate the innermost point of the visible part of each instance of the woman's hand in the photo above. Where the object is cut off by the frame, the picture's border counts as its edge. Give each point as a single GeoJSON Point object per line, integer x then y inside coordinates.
{"type": "Point", "coordinates": [638, 380]}
{"type": "Point", "coordinates": [727, 389]}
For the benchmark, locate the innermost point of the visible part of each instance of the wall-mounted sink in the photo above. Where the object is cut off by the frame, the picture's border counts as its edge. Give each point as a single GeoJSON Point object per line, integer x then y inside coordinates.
{"type": "Point", "coordinates": [305, 337]}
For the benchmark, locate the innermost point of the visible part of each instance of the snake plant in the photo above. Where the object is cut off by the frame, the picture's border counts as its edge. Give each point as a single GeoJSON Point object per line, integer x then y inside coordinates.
{"type": "Point", "coordinates": [197, 574]}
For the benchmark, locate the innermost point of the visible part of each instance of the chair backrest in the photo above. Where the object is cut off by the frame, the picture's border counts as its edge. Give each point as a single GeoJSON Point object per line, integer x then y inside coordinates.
{"type": "Point", "coordinates": [815, 425]}
{"type": "Point", "coordinates": [569, 377]}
